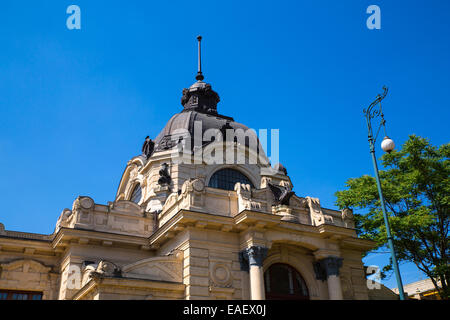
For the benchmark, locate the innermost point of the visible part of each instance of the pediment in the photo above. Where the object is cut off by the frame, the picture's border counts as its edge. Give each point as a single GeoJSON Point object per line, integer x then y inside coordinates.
{"type": "Point", "coordinates": [25, 265]}
{"type": "Point", "coordinates": [156, 268]}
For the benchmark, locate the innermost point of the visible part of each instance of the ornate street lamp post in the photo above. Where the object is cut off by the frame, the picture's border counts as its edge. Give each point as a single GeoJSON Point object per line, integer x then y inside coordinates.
{"type": "Point", "coordinates": [387, 145]}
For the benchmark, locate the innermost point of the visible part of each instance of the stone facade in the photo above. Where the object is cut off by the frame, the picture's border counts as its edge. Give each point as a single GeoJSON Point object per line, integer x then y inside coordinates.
{"type": "Point", "coordinates": [184, 239]}
{"type": "Point", "coordinates": [186, 244]}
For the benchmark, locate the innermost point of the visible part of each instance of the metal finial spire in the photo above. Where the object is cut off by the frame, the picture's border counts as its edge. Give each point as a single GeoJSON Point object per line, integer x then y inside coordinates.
{"type": "Point", "coordinates": [199, 76]}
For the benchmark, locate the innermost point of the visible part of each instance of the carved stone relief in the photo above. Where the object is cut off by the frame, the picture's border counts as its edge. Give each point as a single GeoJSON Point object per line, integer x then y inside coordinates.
{"type": "Point", "coordinates": [245, 201]}
{"type": "Point", "coordinates": [285, 212]}
{"type": "Point", "coordinates": [317, 217]}
{"type": "Point", "coordinates": [348, 218]}
{"type": "Point", "coordinates": [192, 193]}
{"type": "Point", "coordinates": [64, 219]}
{"type": "Point", "coordinates": [221, 275]}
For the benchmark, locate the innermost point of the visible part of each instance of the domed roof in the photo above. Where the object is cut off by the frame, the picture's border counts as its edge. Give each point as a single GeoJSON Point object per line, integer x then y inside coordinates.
{"type": "Point", "coordinates": [200, 109]}
{"type": "Point", "coordinates": [183, 123]}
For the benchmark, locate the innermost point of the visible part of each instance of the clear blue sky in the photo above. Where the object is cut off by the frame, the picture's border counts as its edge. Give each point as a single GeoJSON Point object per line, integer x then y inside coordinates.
{"type": "Point", "coordinates": [76, 105]}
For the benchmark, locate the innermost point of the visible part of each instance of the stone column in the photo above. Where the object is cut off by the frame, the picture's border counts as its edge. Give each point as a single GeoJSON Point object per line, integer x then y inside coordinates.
{"type": "Point", "coordinates": [328, 269]}
{"type": "Point", "coordinates": [252, 261]}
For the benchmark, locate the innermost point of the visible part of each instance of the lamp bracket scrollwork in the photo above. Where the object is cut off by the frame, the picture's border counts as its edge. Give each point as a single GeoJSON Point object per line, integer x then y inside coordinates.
{"type": "Point", "coordinates": [374, 110]}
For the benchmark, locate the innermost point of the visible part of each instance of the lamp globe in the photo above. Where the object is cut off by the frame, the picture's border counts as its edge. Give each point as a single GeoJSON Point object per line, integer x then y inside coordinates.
{"type": "Point", "coordinates": [387, 145]}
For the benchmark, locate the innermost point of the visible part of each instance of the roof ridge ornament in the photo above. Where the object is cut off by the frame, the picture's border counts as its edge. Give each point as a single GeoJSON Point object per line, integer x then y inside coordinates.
{"type": "Point", "coordinates": [199, 76]}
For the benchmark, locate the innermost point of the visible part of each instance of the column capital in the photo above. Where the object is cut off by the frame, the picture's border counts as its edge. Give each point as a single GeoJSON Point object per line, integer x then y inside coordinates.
{"type": "Point", "coordinates": [326, 267]}
{"type": "Point", "coordinates": [253, 256]}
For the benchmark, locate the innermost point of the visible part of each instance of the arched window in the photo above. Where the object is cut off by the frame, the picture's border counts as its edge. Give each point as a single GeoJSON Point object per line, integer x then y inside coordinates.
{"type": "Point", "coordinates": [137, 194]}
{"type": "Point", "coordinates": [282, 282]}
{"type": "Point", "coordinates": [226, 179]}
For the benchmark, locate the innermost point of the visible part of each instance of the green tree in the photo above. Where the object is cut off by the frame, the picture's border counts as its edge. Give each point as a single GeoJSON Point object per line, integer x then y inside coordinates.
{"type": "Point", "coordinates": [416, 188]}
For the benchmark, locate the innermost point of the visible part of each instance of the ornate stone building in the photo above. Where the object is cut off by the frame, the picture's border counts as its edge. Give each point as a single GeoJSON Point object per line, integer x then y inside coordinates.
{"type": "Point", "coordinates": [184, 227]}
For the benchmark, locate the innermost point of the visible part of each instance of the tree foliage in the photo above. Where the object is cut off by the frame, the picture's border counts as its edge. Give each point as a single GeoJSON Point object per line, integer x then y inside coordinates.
{"type": "Point", "coordinates": [416, 188]}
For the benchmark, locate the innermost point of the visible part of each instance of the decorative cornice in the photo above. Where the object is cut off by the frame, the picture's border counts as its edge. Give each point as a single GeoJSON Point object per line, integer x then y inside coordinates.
{"type": "Point", "coordinates": [65, 235]}
{"type": "Point", "coordinates": [26, 236]}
